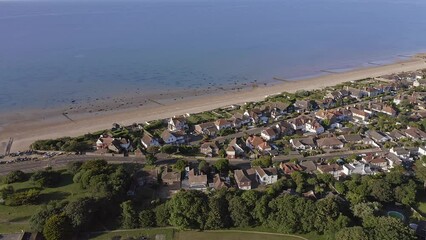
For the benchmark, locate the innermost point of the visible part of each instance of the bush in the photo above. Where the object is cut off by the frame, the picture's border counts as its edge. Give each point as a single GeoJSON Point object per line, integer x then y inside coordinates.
{"type": "Point", "coordinates": [24, 198]}
{"type": "Point", "coordinates": [45, 178]}
{"type": "Point", "coordinates": [15, 176]}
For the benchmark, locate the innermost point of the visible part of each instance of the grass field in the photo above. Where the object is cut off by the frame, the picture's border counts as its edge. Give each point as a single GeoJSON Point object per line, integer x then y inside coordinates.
{"type": "Point", "coordinates": [233, 235]}
{"type": "Point", "coordinates": [165, 233]}
{"type": "Point", "coordinates": [15, 218]}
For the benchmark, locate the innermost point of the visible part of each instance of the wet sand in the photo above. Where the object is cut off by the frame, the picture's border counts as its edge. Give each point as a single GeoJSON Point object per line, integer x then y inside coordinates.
{"type": "Point", "coordinates": [83, 117]}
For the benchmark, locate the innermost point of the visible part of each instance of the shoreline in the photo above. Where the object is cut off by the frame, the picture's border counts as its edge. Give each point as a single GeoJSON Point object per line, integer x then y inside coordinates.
{"type": "Point", "coordinates": [27, 126]}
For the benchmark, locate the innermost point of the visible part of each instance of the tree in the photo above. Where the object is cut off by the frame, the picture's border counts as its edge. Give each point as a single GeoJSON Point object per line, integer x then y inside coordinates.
{"type": "Point", "coordinates": [420, 170]}
{"type": "Point", "coordinates": [365, 210]}
{"type": "Point", "coordinates": [81, 213]}
{"type": "Point", "coordinates": [15, 176]}
{"type": "Point", "coordinates": [222, 153]}
{"type": "Point", "coordinates": [180, 165]}
{"type": "Point", "coordinates": [406, 193]}
{"type": "Point", "coordinates": [222, 165]}
{"type": "Point", "coordinates": [45, 178]}
{"type": "Point", "coordinates": [203, 166]}
{"type": "Point", "coordinates": [146, 218]}
{"type": "Point", "coordinates": [352, 233]}
{"type": "Point", "coordinates": [128, 215]}
{"type": "Point", "coordinates": [188, 210]}
{"type": "Point", "coordinates": [6, 191]}
{"type": "Point", "coordinates": [382, 190]}
{"type": "Point", "coordinates": [57, 227]}
{"type": "Point", "coordinates": [74, 167]}
{"type": "Point", "coordinates": [153, 150]}
{"type": "Point", "coordinates": [162, 215]}
{"type": "Point", "coordinates": [389, 228]}
{"type": "Point", "coordinates": [169, 149]}
{"type": "Point", "coordinates": [150, 159]}
{"type": "Point", "coordinates": [239, 212]}
{"type": "Point", "coordinates": [264, 161]}
{"type": "Point", "coordinates": [218, 215]}
{"type": "Point", "coordinates": [38, 220]}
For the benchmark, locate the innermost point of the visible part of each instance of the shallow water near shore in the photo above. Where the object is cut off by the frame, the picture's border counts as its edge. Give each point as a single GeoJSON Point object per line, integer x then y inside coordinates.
{"type": "Point", "coordinates": [56, 52]}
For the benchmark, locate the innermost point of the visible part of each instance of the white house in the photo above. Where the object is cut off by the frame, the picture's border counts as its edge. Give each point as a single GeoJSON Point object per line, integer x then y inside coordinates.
{"type": "Point", "coordinates": [266, 176]}
{"type": "Point", "coordinates": [357, 168]}
{"type": "Point", "coordinates": [177, 123]}
{"type": "Point", "coordinates": [422, 151]}
{"type": "Point", "coordinates": [173, 137]}
{"type": "Point", "coordinates": [268, 134]}
{"type": "Point", "coordinates": [402, 153]}
{"type": "Point", "coordinates": [148, 141]}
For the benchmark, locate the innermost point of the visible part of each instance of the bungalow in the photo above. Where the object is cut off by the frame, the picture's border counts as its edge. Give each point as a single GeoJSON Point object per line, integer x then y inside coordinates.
{"type": "Point", "coordinates": [254, 115]}
{"type": "Point", "coordinates": [415, 134]}
{"type": "Point", "coordinates": [303, 143]}
{"type": "Point", "coordinates": [177, 123]}
{"type": "Point", "coordinates": [327, 103]}
{"type": "Point", "coordinates": [268, 134]}
{"type": "Point", "coordinates": [372, 92]}
{"type": "Point", "coordinates": [359, 114]}
{"type": "Point", "coordinates": [222, 124]}
{"type": "Point", "coordinates": [330, 116]}
{"type": "Point", "coordinates": [393, 160]}
{"type": "Point", "coordinates": [177, 137]}
{"type": "Point", "coordinates": [304, 106]}
{"type": "Point", "coordinates": [284, 128]}
{"type": "Point", "coordinates": [203, 127]}
{"type": "Point", "coordinates": [314, 127]}
{"type": "Point", "coordinates": [351, 138]}
{"type": "Point", "coordinates": [329, 143]}
{"type": "Point", "coordinates": [148, 141]}
{"type": "Point", "coordinates": [209, 149]}
{"type": "Point", "coordinates": [396, 135]}
{"type": "Point", "coordinates": [378, 137]}
{"type": "Point", "coordinates": [375, 161]}
{"type": "Point", "coordinates": [197, 182]}
{"type": "Point", "coordinates": [289, 168]}
{"type": "Point", "coordinates": [255, 142]}
{"type": "Point", "coordinates": [115, 145]}
{"type": "Point", "coordinates": [357, 168]}
{"type": "Point", "coordinates": [234, 150]}
{"type": "Point", "coordinates": [218, 182]}
{"type": "Point", "coordinates": [402, 153]}
{"type": "Point", "coordinates": [266, 176]}
{"type": "Point", "coordinates": [382, 108]}
{"type": "Point", "coordinates": [308, 166]}
{"type": "Point", "coordinates": [356, 93]}
{"type": "Point", "coordinates": [172, 182]}
{"type": "Point", "coordinates": [334, 169]}
{"type": "Point", "coordinates": [243, 182]}
{"type": "Point", "coordinates": [241, 118]}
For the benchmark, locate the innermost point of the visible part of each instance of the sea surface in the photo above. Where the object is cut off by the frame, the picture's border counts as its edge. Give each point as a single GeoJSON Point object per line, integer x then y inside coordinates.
{"type": "Point", "coordinates": [55, 52]}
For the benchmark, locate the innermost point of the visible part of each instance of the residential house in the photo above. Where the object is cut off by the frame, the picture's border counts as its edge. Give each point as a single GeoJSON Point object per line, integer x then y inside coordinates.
{"type": "Point", "coordinates": [383, 108]}
{"type": "Point", "coordinates": [254, 115]}
{"type": "Point", "coordinates": [401, 153]}
{"type": "Point", "coordinates": [266, 176]}
{"type": "Point", "coordinates": [359, 114]}
{"type": "Point", "coordinates": [304, 106]}
{"type": "Point", "coordinates": [284, 128]}
{"type": "Point", "coordinates": [308, 166]}
{"type": "Point", "coordinates": [171, 182]}
{"type": "Point", "coordinates": [289, 168]}
{"type": "Point", "coordinates": [197, 181]}
{"type": "Point", "coordinates": [242, 180]}
{"type": "Point", "coordinates": [147, 141]}
{"type": "Point", "coordinates": [356, 93]}
{"type": "Point", "coordinates": [209, 149]}
{"type": "Point", "coordinates": [415, 134]}
{"type": "Point", "coordinates": [357, 168]}
{"type": "Point", "coordinates": [393, 160]}
{"type": "Point", "coordinates": [222, 124]}
{"type": "Point", "coordinates": [234, 149]}
{"type": "Point", "coordinates": [268, 134]}
{"type": "Point", "coordinates": [176, 137]}
{"type": "Point", "coordinates": [396, 135]}
{"type": "Point", "coordinates": [204, 128]}
{"type": "Point", "coordinates": [256, 142]}
{"type": "Point", "coordinates": [303, 143]}
{"type": "Point", "coordinates": [177, 123]}
{"type": "Point", "coordinates": [334, 169]}
{"type": "Point", "coordinates": [314, 127]}
{"type": "Point", "coordinates": [377, 136]}
{"type": "Point", "coordinates": [329, 143]}
{"type": "Point", "coordinates": [351, 138]}
{"type": "Point", "coordinates": [375, 161]}
{"type": "Point", "coordinates": [218, 182]}
{"type": "Point", "coordinates": [372, 92]}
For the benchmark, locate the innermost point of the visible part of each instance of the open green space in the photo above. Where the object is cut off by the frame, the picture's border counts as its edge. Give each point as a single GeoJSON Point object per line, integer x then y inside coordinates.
{"type": "Point", "coordinates": [15, 218]}
{"type": "Point", "coordinates": [162, 233]}
{"type": "Point", "coordinates": [234, 235]}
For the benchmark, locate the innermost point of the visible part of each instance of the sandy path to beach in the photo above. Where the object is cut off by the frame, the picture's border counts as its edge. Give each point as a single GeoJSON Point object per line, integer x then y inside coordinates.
{"type": "Point", "coordinates": [52, 124]}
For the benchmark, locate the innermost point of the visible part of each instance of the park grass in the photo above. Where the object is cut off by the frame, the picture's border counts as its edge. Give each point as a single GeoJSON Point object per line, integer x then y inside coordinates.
{"type": "Point", "coordinates": [169, 234]}
{"type": "Point", "coordinates": [234, 235]}
{"type": "Point", "coordinates": [16, 218]}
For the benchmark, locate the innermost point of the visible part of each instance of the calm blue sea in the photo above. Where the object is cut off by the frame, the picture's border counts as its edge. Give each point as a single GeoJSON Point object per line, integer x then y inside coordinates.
{"type": "Point", "coordinates": [52, 52]}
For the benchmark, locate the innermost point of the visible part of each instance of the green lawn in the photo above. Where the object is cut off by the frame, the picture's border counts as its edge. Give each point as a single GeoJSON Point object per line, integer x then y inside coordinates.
{"type": "Point", "coordinates": [15, 218]}
{"type": "Point", "coordinates": [167, 234]}
{"type": "Point", "coordinates": [234, 235]}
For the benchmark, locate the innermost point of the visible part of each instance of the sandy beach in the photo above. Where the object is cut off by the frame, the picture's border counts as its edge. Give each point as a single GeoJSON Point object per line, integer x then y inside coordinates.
{"type": "Point", "coordinates": [26, 127]}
